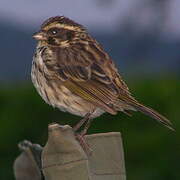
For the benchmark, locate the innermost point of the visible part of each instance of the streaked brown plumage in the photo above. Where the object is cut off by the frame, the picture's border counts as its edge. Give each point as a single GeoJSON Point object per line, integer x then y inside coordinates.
{"type": "Point", "coordinates": [72, 72]}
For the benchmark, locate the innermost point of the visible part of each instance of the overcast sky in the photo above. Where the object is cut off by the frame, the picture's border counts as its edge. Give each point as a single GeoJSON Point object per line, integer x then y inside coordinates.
{"type": "Point", "coordinates": [89, 13]}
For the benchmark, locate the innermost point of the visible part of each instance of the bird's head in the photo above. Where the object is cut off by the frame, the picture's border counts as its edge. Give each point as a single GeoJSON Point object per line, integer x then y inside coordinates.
{"type": "Point", "coordinates": [60, 31]}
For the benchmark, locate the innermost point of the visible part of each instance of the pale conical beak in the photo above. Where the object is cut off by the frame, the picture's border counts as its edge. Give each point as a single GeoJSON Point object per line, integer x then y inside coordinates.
{"type": "Point", "coordinates": [40, 36]}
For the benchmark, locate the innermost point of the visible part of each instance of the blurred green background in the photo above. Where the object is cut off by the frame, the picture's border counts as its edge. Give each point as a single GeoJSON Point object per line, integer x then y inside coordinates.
{"type": "Point", "coordinates": [151, 150]}
{"type": "Point", "coordinates": [143, 38]}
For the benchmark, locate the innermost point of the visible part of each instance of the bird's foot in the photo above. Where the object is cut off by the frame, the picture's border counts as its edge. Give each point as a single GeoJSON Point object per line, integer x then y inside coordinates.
{"type": "Point", "coordinates": [80, 136]}
{"type": "Point", "coordinates": [81, 122]}
{"type": "Point", "coordinates": [82, 141]}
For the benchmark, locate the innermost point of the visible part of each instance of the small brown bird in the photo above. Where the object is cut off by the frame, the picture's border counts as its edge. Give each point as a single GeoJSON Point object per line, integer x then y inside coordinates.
{"type": "Point", "coordinates": [71, 71]}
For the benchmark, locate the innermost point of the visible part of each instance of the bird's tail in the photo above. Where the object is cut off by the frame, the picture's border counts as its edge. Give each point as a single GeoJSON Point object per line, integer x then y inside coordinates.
{"type": "Point", "coordinates": [154, 114]}
{"type": "Point", "coordinates": [147, 111]}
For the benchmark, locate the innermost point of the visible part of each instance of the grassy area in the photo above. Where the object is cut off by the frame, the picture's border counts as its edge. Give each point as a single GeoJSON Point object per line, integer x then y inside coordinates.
{"type": "Point", "coordinates": [151, 150]}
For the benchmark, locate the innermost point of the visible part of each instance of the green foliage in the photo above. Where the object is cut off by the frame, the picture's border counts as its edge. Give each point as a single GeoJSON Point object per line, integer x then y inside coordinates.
{"type": "Point", "coordinates": [151, 150]}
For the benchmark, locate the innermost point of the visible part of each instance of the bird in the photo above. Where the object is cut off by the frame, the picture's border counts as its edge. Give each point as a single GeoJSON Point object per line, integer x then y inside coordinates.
{"type": "Point", "coordinates": [72, 72]}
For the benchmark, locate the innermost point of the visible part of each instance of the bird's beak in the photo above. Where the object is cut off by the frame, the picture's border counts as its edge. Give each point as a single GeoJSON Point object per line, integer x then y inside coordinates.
{"type": "Point", "coordinates": [40, 36]}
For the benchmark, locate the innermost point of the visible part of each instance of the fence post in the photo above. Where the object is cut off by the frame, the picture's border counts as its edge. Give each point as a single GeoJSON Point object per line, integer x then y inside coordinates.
{"type": "Point", "coordinates": [63, 157]}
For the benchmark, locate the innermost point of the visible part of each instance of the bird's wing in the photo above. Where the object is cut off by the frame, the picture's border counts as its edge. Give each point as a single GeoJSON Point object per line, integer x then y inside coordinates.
{"type": "Point", "coordinates": [91, 83]}
{"type": "Point", "coordinates": [101, 84]}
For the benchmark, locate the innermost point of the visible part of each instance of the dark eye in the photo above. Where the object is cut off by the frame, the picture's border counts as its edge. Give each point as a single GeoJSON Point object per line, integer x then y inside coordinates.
{"type": "Point", "coordinates": [83, 36]}
{"type": "Point", "coordinates": [53, 31]}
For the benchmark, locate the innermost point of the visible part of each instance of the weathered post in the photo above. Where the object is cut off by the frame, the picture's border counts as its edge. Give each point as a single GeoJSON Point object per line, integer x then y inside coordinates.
{"type": "Point", "coordinates": [63, 157]}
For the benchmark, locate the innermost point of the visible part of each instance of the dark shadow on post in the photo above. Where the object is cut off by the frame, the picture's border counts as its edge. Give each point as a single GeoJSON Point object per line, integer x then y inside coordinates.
{"type": "Point", "coordinates": [63, 157]}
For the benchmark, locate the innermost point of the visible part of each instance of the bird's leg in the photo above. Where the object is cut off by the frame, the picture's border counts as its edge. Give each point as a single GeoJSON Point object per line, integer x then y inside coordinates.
{"type": "Point", "coordinates": [84, 144]}
{"type": "Point", "coordinates": [86, 127]}
{"type": "Point", "coordinates": [80, 136]}
{"type": "Point", "coordinates": [81, 122]}
{"type": "Point", "coordinates": [82, 141]}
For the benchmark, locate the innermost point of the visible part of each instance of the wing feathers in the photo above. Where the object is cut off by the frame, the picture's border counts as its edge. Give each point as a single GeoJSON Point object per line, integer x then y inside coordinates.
{"type": "Point", "coordinates": [88, 93]}
{"type": "Point", "coordinates": [94, 77]}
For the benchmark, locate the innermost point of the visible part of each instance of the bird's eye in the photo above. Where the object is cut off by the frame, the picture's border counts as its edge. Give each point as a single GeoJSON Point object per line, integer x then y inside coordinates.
{"type": "Point", "coordinates": [53, 31]}
{"type": "Point", "coordinates": [83, 35]}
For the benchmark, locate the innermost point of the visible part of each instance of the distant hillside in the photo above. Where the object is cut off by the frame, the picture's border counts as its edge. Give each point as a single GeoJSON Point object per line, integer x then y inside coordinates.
{"type": "Point", "coordinates": [145, 53]}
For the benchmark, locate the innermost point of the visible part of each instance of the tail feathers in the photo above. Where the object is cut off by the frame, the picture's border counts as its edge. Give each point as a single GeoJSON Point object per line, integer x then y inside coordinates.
{"type": "Point", "coordinates": [154, 114]}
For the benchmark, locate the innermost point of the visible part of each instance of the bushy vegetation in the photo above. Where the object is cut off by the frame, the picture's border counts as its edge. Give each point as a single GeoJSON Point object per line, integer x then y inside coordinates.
{"type": "Point", "coordinates": [151, 151]}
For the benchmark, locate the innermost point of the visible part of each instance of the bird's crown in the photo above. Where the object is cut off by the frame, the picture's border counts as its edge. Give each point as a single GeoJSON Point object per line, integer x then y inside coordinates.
{"type": "Point", "coordinates": [62, 22]}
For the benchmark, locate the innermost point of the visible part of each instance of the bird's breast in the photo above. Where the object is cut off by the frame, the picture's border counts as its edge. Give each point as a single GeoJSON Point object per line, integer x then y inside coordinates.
{"type": "Point", "coordinates": [55, 93]}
